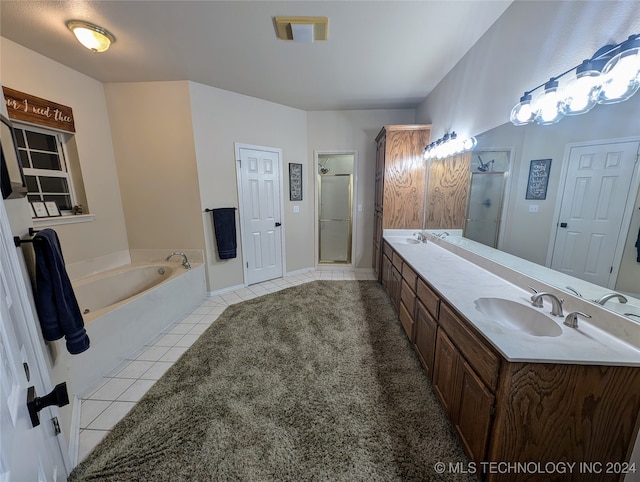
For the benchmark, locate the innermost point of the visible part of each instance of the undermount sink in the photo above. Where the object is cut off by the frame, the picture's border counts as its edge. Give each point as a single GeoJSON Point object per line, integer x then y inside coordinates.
{"type": "Point", "coordinates": [516, 316]}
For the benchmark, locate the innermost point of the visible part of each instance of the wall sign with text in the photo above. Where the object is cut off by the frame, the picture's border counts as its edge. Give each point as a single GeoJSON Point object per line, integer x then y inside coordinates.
{"type": "Point", "coordinates": [35, 110]}
{"type": "Point", "coordinates": [538, 179]}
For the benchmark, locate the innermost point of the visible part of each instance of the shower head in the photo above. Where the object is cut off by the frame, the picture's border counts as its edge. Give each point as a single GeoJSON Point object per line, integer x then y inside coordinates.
{"type": "Point", "coordinates": [485, 166]}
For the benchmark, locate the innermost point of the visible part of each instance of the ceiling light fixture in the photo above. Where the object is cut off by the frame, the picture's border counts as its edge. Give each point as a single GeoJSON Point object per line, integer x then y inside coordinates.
{"type": "Point", "coordinates": [92, 36]}
{"type": "Point", "coordinates": [447, 146]}
{"type": "Point", "coordinates": [611, 75]}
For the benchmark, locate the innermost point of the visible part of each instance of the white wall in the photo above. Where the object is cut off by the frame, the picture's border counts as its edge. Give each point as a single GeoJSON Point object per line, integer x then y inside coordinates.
{"type": "Point", "coordinates": [529, 43]}
{"type": "Point", "coordinates": [355, 130]}
{"type": "Point", "coordinates": [512, 57]}
{"type": "Point", "coordinates": [222, 118]}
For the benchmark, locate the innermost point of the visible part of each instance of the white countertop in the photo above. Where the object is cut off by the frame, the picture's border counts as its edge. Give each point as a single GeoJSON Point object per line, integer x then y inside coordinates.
{"type": "Point", "coordinates": [461, 282]}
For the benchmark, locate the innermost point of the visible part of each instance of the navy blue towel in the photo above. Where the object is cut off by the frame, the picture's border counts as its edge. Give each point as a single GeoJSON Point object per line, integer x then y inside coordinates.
{"type": "Point", "coordinates": [224, 223]}
{"type": "Point", "coordinates": [58, 308]}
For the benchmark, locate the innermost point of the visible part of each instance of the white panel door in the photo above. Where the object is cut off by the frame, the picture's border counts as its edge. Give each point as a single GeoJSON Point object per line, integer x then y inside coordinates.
{"type": "Point", "coordinates": [260, 216]}
{"type": "Point", "coordinates": [27, 453]}
{"type": "Point", "coordinates": [593, 205]}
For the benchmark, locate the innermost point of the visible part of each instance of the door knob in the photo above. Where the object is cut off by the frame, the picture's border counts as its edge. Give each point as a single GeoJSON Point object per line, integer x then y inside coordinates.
{"type": "Point", "coordinates": [563, 225]}
{"type": "Point", "coordinates": [278, 224]}
{"type": "Point", "coordinates": [58, 396]}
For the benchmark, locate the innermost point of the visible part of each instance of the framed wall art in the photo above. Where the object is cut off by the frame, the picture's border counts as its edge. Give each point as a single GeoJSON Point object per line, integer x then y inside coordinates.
{"type": "Point", "coordinates": [295, 182]}
{"type": "Point", "coordinates": [538, 179]}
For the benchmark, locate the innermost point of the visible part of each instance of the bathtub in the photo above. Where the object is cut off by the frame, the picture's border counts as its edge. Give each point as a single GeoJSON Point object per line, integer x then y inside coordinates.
{"type": "Point", "coordinates": [123, 309]}
{"type": "Point", "coordinates": [107, 291]}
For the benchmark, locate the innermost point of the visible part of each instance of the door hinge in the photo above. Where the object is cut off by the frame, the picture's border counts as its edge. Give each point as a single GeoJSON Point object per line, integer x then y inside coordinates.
{"type": "Point", "coordinates": [247, 264]}
{"type": "Point", "coordinates": [611, 270]}
{"type": "Point", "coordinates": [56, 425]}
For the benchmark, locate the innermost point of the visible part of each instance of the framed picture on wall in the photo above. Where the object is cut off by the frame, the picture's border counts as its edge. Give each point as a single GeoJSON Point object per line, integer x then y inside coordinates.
{"type": "Point", "coordinates": [538, 179]}
{"type": "Point", "coordinates": [295, 182]}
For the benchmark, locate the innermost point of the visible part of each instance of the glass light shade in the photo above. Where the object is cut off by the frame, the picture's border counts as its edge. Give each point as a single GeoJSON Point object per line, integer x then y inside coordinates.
{"type": "Point", "coordinates": [580, 95]}
{"type": "Point", "coordinates": [92, 36]}
{"type": "Point", "coordinates": [522, 113]}
{"type": "Point", "coordinates": [469, 144]}
{"type": "Point", "coordinates": [547, 105]}
{"type": "Point", "coordinates": [621, 76]}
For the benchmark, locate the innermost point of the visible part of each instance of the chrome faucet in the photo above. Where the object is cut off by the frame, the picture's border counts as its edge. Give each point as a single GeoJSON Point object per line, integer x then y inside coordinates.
{"type": "Point", "coordinates": [185, 261]}
{"type": "Point", "coordinates": [574, 291]}
{"type": "Point", "coordinates": [421, 237]}
{"type": "Point", "coordinates": [556, 303]}
{"type": "Point", "coordinates": [605, 298]}
{"type": "Point", "coordinates": [572, 318]}
{"type": "Point", "coordinates": [442, 235]}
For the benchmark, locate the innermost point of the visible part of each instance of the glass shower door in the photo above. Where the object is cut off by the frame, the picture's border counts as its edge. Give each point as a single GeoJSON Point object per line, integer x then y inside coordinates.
{"type": "Point", "coordinates": [335, 218]}
{"type": "Point", "coordinates": [485, 207]}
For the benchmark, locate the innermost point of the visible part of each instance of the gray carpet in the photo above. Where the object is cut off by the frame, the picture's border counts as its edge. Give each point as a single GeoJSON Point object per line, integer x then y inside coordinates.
{"type": "Point", "coordinates": [315, 382]}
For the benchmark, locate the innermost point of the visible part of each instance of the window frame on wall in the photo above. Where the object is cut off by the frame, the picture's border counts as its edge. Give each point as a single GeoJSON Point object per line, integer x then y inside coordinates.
{"type": "Point", "coordinates": [35, 176]}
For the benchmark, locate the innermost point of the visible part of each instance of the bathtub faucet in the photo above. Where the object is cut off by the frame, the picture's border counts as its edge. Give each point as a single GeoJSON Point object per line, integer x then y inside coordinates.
{"type": "Point", "coordinates": [185, 261]}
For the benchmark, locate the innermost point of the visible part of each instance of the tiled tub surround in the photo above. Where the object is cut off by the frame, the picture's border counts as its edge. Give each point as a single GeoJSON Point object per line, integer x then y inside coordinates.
{"type": "Point", "coordinates": [462, 276]}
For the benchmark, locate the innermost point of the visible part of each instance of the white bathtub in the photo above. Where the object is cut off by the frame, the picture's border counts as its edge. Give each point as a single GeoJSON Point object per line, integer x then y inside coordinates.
{"type": "Point", "coordinates": [128, 306]}
{"type": "Point", "coordinates": [106, 291]}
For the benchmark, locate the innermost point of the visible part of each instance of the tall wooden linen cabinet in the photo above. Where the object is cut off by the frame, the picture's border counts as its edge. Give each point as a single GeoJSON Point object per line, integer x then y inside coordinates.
{"type": "Point", "coordinates": [400, 183]}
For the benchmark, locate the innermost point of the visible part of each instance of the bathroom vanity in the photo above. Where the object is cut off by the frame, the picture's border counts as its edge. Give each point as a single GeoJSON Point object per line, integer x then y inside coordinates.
{"type": "Point", "coordinates": [517, 384]}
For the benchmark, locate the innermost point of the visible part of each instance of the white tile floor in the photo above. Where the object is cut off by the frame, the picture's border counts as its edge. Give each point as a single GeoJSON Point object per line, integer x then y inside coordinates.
{"type": "Point", "coordinates": [117, 394]}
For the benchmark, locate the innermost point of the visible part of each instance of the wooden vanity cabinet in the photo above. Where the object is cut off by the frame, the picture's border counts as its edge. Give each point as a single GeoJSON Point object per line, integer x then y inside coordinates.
{"type": "Point", "coordinates": [400, 182]}
{"type": "Point", "coordinates": [464, 393]}
{"type": "Point", "coordinates": [512, 412]}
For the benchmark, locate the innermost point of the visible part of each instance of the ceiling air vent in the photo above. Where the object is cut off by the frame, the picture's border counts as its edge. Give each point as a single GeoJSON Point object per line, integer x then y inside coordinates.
{"type": "Point", "coordinates": [302, 29]}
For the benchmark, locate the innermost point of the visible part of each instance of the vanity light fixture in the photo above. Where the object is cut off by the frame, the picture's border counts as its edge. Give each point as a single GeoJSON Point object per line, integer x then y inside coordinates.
{"type": "Point", "coordinates": [448, 145]}
{"type": "Point", "coordinates": [611, 75]}
{"type": "Point", "coordinates": [93, 37]}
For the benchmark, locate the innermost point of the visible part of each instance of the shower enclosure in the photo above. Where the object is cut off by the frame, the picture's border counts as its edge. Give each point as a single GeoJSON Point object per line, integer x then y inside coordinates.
{"type": "Point", "coordinates": [335, 198]}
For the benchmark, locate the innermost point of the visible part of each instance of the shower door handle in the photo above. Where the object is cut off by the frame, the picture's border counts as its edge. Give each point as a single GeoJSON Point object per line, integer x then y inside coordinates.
{"type": "Point", "coordinates": [278, 225]}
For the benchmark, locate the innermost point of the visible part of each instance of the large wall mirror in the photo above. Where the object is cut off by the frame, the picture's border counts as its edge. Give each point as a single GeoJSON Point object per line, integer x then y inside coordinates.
{"type": "Point", "coordinates": [588, 167]}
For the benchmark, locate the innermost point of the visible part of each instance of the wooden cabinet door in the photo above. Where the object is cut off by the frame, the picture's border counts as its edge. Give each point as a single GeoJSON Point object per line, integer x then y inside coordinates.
{"type": "Point", "coordinates": [474, 413]}
{"type": "Point", "coordinates": [445, 380]}
{"type": "Point", "coordinates": [386, 273]}
{"type": "Point", "coordinates": [396, 285]}
{"type": "Point", "coordinates": [406, 319]}
{"type": "Point", "coordinates": [424, 337]}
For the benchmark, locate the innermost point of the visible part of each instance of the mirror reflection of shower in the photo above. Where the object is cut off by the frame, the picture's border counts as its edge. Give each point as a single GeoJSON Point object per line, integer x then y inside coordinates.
{"type": "Point", "coordinates": [335, 198]}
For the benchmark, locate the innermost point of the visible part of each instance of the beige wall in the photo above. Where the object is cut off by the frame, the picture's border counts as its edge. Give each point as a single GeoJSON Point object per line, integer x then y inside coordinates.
{"type": "Point", "coordinates": [24, 70]}
{"type": "Point", "coordinates": [222, 118]}
{"type": "Point", "coordinates": [155, 155]}
{"type": "Point", "coordinates": [355, 131]}
{"type": "Point", "coordinates": [29, 72]}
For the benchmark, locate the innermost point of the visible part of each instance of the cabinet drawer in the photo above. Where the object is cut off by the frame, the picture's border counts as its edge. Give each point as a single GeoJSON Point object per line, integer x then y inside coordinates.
{"type": "Point", "coordinates": [387, 249]}
{"type": "Point", "coordinates": [409, 276]}
{"type": "Point", "coordinates": [408, 297]}
{"type": "Point", "coordinates": [478, 354]}
{"type": "Point", "coordinates": [428, 298]}
{"type": "Point", "coordinates": [397, 261]}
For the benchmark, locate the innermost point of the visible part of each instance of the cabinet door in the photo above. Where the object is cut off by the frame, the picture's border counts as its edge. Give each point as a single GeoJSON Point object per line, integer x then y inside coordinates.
{"type": "Point", "coordinates": [474, 413]}
{"type": "Point", "coordinates": [379, 178]}
{"type": "Point", "coordinates": [386, 273]}
{"type": "Point", "coordinates": [424, 333]}
{"type": "Point", "coordinates": [445, 380]}
{"type": "Point", "coordinates": [396, 285]}
{"type": "Point", "coordinates": [406, 319]}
